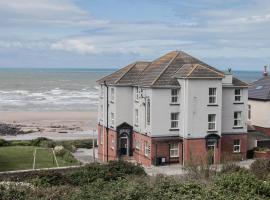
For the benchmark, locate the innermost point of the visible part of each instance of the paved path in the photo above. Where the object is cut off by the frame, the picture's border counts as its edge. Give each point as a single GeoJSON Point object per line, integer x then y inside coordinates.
{"type": "Point", "coordinates": [85, 156]}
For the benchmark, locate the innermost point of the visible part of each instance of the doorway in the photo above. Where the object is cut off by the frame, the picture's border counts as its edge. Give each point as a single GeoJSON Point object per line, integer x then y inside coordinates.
{"type": "Point", "coordinates": [211, 145]}
{"type": "Point", "coordinates": [124, 147]}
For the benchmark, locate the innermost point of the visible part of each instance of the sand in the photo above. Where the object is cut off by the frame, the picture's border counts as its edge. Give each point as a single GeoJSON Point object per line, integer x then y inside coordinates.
{"type": "Point", "coordinates": [55, 125]}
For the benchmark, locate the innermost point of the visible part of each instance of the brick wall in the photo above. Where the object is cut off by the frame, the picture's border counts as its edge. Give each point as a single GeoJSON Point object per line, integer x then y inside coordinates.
{"type": "Point", "coordinates": [102, 146]}
{"type": "Point", "coordinates": [227, 142]}
{"type": "Point", "coordinates": [266, 131]}
{"type": "Point", "coordinates": [195, 152]}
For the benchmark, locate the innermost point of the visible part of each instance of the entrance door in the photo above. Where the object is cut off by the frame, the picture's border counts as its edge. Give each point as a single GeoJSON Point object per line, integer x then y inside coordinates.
{"type": "Point", "coordinates": [211, 144]}
{"type": "Point", "coordinates": [123, 145]}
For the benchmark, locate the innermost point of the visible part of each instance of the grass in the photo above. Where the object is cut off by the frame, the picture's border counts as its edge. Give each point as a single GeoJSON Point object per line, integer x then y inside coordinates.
{"type": "Point", "coordinates": [21, 158]}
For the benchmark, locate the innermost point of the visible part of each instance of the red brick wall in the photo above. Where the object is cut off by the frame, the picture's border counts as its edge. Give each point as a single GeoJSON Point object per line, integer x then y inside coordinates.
{"type": "Point", "coordinates": [139, 155]}
{"type": "Point", "coordinates": [102, 148]}
{"type": "Point", "coordinates": [263, 130]}
{"type": "Point", "coordinates": [227, 142]}
{"type": "Point", "coordinates": [195, 151]}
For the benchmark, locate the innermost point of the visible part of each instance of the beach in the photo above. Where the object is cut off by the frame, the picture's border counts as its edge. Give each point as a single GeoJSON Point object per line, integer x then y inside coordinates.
{"type": "Point", "coordinates": [57, 125]}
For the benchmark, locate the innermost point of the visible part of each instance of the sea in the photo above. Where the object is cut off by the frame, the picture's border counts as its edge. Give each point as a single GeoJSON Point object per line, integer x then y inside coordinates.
{"type": "Point", "coordinates": [60, 89]}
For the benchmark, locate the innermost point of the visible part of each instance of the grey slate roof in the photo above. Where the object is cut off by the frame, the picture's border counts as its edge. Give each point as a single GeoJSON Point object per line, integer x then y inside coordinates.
{"type": "Point", "coordinates": [164, 71]}
{"type": "Point", "coordinates": [260, 89]}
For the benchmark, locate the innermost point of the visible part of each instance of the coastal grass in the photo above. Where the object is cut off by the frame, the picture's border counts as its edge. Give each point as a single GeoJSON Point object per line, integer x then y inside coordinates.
{"type": "Point", "coordinates": [22, 158]}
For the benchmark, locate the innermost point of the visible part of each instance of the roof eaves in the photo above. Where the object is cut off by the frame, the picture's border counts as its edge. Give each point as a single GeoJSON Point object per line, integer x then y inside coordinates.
{"type": "Point", "coordinates": [177, 53]}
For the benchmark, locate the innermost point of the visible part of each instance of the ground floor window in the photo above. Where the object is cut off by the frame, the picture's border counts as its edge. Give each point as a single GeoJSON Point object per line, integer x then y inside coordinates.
{"type": "Point", "coordinates": [101, 137]}
{"type": "Point", "coordinates": [138, 145]}
{"type": "Point", "coordinates": [146, 149]}
{"type": "Point", "coordinates": [174, 150]}
{"type": "Point", "coordinates": [236, 146]}
{"type": "Point", "coordinates": [113, 143]}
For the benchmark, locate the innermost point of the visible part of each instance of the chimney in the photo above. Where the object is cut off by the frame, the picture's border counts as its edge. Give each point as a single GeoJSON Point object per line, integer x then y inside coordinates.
{"type": "Point", "coordinates": [265, 73]}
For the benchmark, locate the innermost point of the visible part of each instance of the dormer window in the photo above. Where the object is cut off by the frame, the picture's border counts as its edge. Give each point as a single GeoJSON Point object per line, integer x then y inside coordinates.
{"type": "Point", "coordinates": [175, 96]}
{"type": "Point", "coordinates": [238, 95]}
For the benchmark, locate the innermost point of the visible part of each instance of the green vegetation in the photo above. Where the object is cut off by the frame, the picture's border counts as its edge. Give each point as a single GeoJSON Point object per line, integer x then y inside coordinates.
{"type": "Point", "coordinates": [121, 180]}
{"type": "Point", "coordinates": [22, 157]}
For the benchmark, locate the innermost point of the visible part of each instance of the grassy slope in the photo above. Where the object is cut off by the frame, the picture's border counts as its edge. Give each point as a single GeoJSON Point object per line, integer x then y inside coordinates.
{"type": "Point", "coordinates": [21, 157]}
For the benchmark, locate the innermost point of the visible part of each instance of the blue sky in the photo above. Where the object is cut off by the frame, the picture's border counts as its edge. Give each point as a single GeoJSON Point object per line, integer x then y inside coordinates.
{"type": "Point", "coordinates": [113, 33]}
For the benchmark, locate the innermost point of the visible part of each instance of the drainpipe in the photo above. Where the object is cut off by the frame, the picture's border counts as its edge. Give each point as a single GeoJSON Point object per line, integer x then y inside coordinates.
{"type": "Point", "coordinates": [107, 123]}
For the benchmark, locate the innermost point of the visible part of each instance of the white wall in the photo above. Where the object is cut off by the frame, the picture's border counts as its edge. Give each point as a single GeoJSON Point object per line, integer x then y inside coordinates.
{"type": "Point", "coordinates": [260, 113]}
{"type": "Point", "coordinates": [229, 107]}
{"type": "Point", "coordinates": [195, 106]}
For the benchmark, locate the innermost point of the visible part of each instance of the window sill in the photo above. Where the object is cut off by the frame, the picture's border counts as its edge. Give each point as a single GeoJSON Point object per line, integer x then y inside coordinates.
{"type": "Point", "coordinates": [174, 129]}
{"type": "Point", "coordinates": [174, 156]}
{"type": "Point", "coordinates": [238, 127]}
{"type": "Point", "coordinates": [212, 131]}
{"type": "Point", "coordinates": [212, 104]}
{"type": "Point", "coordinates": [238, 102]}
{"type": "Point", "coordinates": [174, 104]}
{"type": "Point", "coordinates": [238, 152]}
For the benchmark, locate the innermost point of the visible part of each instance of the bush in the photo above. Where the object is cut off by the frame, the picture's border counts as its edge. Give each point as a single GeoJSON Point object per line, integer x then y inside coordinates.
{"type": "Point", "coordinates": [231, 167]}
{"type": "Point", "coordinates": [261, 168]}
{"type": "Point", "coordinates": [49, 178]}
{"type": "Point", "coordinates": [46, 144]}
{"type": "Point", "coordinates": [4, 143]}
{"type": "Point", "coordinates": [37, 141]}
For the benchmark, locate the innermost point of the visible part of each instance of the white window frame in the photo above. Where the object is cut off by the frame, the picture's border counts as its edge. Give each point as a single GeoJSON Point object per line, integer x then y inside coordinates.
{"type": "Point", "coordinates": [136, 117]}
{"type": "Point", "coordinates": [249, 112]}
{"type": "Point", "coordinates": [174, 150]}
{"type": "Point", "coordinates": [175, 96]}
{"type": "Point", "coordinates": [213, 123]}
{"type": "Point", "coordinates": [237, 147]}
{"type": "Point", "coordinates": [148, 112]}
{"type": "Point", "coordinates": [112, 119]}
{"type": "Point", "coordinates": [146, 149]}
{"type": "Point", "coordinates": [137, 93]}
{"type": "Point", "coordinates": [212, 95]}
{"type": "Point", "coordinates": [138, 145]}
{"type": "Point", "coordinates": [237, 119]}
{"type": "Point", "coordinates": [112, 94]}
{"type": "Point", "coordinates": [174, 121]}
{"type": "Point", "coordinates": [101, 137]}
{"type": "Point", "coordinates": [236, 96]}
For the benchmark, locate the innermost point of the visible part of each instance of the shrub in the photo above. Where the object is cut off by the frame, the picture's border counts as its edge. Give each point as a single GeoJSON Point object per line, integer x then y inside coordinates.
{"type": "Point", "coordinates": [230, 168]}
{"type": "Point", "coordinates": [37, 141]}
{"type": "Point", "coordinates": [46, 144]}
{"type": "Point", "coordinates": [260, 168]}
{"type": "Point", "coordinates": [49, 178]}
{"type": "Point", "coordinates": [4, 143]}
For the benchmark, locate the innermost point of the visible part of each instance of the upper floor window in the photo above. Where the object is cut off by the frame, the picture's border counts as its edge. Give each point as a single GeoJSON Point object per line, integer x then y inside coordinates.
{"type": "Point", "coordinates": [136, 117]}
{"type": "Point", "coordinates": [137, 93]}
{"type": "Point", "coordinates": [112, 119]}
{"type": "Point", "coordinates": [146, 149]}
{"type": "Point", "coordinates": [249, 112]}
{"type": "Point", "coordinates": [148, 112]}
{"type": "Point", "coordinates": [211, 122]}
{"type": "Point", "coordinates": [175, 96]}
{"type": "Point", "coordinates": [174, 120]}
{"type": "Point", "coordinates": [174, 150]}
{"type": "Point", "coordinates": [238, 95]}
{"type": "Point", "coordinates": [237, 119]}
{"type": "Point", "coordinates": [112, 94]}
{"type": "Point", "coordinates": [212, 95]}
{"type": "Point", "coordinates": [236, 146]}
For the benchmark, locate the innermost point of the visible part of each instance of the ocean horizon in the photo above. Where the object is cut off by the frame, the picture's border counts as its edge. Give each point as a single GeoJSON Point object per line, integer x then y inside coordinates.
{"type": "Point", "coordinates": [61, 89]}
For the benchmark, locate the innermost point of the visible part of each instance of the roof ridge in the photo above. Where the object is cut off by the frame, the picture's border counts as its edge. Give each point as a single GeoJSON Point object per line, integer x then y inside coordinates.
{"type": "Point", "coordinates": [132, 65]}
{"type": "Point", "coordinates": [177, 53]}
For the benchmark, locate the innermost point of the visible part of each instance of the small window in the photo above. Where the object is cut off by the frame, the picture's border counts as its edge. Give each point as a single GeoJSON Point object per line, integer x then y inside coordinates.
{"type": "Point", "coordinates": [146, 149]}
{"type": "Point", "coordinates": [175, 96]}
{"type": "Point", "coordinates": [101, 137]}
{"type": "Point", "coordinates": [237, 119]}
{"type": "Point", "coordinates": [174, 120]}
{"type": "Point", "coordinates": [211, 122]}
{"type": "Point", "coordinates": [174, 150]}
{"type": "Point", "coordinates": [236, 146]}
{"type": "Point", "coordinates": [136, 117]}
{"type": "Point", "coordinates": [137, 93]}
{"type": "Point", "coordinates": [212, 95]}
{"type": "Point", "coordinates": [112, 95]}
{"type": "Point", "coordinates": [148, 112]}
{"type": "Point", "coordinates": [138, 145]}
{"type": "Point", "coordinates": [249, 112]}
{"type": "Point", "coordinates": [238, 95]}
{"type": "Point", "coordinates": [113, 143]}
{"type": "Point", "coordinates": [112, 119]}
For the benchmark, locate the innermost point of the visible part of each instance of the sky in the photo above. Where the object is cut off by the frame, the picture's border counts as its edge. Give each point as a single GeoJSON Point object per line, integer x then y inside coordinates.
{"type": "Point", "coordinates": [113, 33]}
